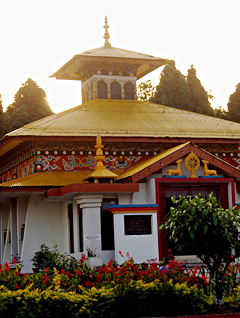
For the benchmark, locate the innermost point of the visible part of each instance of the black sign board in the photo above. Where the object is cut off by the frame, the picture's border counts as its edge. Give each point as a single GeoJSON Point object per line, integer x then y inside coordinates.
{"type": "Point", "coordinates": [138, 224]}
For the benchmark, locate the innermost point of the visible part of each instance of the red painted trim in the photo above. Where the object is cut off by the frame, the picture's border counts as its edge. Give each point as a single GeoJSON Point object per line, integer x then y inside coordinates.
{"type": "Point", "coordinates": [158, 219]}
{"type": "Point", "coordinates": [207, 181]}
{"type": "Point", "coordinates": [23, 189]}
{"type": "Point", "coordinates": [202, 181]}
{"type": "Point", "coordinates": [233, 193]}
{"type": "Point", "coordinates": [93, 187]}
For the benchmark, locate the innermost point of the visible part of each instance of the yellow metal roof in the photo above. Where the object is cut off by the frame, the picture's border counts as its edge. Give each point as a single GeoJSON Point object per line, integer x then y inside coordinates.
{"type": "Point", "coordinates": [50, 179]}
{"type": "Point", "coordinates": [117, 118]}
{"type": "Point", "coordinates": [146, 63]}
{"type": "Point", "coordinates": [146, 163]}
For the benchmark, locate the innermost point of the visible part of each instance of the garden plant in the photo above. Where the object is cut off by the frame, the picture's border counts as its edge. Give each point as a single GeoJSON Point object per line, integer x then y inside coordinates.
{"type": "Point", "coordinates": [201, 224]}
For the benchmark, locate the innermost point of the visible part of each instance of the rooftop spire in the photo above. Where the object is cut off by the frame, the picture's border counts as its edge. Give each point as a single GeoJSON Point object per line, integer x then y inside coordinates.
{"type": "Point", "coordinates": [106, 34]}
{"type": "Point", "coordinates": [100, 171]}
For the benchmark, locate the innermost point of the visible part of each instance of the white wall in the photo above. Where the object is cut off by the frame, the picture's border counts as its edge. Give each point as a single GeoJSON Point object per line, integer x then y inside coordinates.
{"type": "Point", "coordinates": [140, 247]}
{"type": "Point", "coordinates": [44, 225]}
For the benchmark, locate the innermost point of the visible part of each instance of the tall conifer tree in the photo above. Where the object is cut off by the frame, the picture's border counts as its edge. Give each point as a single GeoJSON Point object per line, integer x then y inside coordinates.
{"type": "Point", "coordinates": [29, 104]}
{"type": "Point", "coordinates": [199, 98]}
{"type": "Point", "coordinates": [234, 105]}
{"type": "Point", "coordinates": [5, 125]}
{"type": "Point", "coordinates": [172, 89]}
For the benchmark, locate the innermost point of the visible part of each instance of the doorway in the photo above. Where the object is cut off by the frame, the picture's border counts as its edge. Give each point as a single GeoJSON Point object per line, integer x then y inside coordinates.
{"type": "Point", "coordinates": [167, 191]}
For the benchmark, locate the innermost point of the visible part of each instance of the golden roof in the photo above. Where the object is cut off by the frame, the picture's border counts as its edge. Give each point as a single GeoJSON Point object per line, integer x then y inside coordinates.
{"type": "Point", "coordinates": [72, 69]}
{"type": "Point", "coordinates": [50, 179]}
{"type": "Point", "coordinates": [117, 118]}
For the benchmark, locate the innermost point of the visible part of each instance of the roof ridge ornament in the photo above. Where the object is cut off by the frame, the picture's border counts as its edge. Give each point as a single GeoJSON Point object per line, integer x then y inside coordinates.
{"type": "Point", "coordinates": [106, 34]}
{"type": "Point", "coordinates": [100, 171]}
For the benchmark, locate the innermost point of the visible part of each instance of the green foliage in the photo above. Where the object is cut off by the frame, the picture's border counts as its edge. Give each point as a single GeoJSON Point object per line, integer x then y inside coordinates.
{"type": "Point", "coordinates": [176, 90]}
{"type": "Point", "coordinates": [145, 91]}
{"type": "Point", "coordinates": [200, 222]}
{"type": "Point", "coordinates": [172, 89]}
{"type": "Point", "coordinates": [29, 104]}
{"type": "Point", "coordinates": [140, 299]}
{"type": "Point", "coordinates": [220, 113]}
{"type": "Point", "coordinates": [202, 225]}
{"type": "Point", "coordinates": [5, 123]}
{"type": "Point", "coordinates": [234, 105]}
{"type": "Point", "coordinates": [46, 258]}
{"type": "Point", "coordinates": [127, 290]}
{"type": "Point", "coordinates": [199, 98]}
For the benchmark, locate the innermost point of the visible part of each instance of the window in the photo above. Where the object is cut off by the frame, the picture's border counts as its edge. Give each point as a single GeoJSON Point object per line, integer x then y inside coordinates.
{"type": "Point", "coordinates": [107, 228]}
{"type": "Point", "coordinates": [102, 90]}
{"type": "Point", "coordinates": [138, 224]}
{"type": "Point", "coordinates": [129, 91]}
{"type": "Point", "coordinates": [115, 90]}
{"type": "Point", "coordinates": [70, 227]}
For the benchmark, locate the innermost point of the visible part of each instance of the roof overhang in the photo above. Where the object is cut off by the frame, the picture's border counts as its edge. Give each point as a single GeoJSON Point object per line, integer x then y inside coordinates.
{"type": "Point", "coordinates": [70, 70]}
{"type": "Point", "coordinates": [73, 189]}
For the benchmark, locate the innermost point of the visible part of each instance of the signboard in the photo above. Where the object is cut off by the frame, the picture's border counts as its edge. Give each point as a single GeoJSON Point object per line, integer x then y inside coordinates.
{"type": "Point", "coordinates": [95, 237]}
{"type": "Point", "coordinates": [138, 224]}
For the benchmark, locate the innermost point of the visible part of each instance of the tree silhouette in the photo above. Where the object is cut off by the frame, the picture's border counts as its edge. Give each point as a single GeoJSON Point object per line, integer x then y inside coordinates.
{"type": "Point", "coordinates": [29, 104]}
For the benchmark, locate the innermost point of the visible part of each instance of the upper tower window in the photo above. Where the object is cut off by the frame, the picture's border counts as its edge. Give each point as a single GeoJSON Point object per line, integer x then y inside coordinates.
{"type": "Point", "coordinates": [115, 90]}
{"type": "Point", "coordinates": [129, 91]}
{"type": "Point", "coordinates": [102, 90]}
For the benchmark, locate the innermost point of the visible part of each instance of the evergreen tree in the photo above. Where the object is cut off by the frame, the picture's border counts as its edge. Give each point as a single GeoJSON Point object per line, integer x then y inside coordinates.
{"type": "Point", "coordinates": [199, 98]}
{"type": "Point", "coordinates": [4, 120]}
{"type": "Point", "coordinates": [176, 90]}
{"type": "Point", "coordinates": [234, 105]}
{"type": "Point", "coordinates": [172, 89]}
{"type": "Point", "coordinates": [29, 104]}
{"type": "Point", "coordinates": [220, 113]}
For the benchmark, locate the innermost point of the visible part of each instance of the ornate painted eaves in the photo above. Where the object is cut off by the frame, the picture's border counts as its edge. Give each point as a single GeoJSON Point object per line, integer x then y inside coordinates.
{"type": "Point", "coordinates": [156, 163]}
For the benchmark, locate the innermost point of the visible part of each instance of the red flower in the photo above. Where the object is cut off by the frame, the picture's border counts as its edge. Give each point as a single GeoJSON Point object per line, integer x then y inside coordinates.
{"type": "Point", "coordinates": [17, 287]}
{"type": "Point", "coordinates": [14, 260]}
{"type": "Point", "coordinates": [83, 258]}
{"type": "Point", "coordinates": [120, 253]}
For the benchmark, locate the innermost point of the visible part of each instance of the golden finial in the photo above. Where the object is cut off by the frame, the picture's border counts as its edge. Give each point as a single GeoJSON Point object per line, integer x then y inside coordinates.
{"type": "Point", "coordinates": [106, 34]}
{"type": "Point", "coordinates": [99, 153]}
{"type": "Point", "coordinates": [100, 171]}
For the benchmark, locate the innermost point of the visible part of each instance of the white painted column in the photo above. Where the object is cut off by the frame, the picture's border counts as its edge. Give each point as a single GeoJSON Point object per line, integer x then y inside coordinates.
{"type": "Point", "coordinates": [91, 208]}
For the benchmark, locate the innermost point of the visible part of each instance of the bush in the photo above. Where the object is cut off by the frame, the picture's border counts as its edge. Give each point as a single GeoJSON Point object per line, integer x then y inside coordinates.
{"type": "Point", "coordinates": [45, 258]}
{"type": "Point", "coordinates": [140, 299]}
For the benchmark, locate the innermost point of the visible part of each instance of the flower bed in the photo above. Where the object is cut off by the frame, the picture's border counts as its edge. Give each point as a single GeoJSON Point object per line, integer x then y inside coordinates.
{"type": "Point", "coordinates": [129, 290]}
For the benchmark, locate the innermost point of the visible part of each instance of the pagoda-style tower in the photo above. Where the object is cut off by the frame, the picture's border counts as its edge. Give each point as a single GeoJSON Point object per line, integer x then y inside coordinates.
{"type": "Point", "coordinates": [108, 72]}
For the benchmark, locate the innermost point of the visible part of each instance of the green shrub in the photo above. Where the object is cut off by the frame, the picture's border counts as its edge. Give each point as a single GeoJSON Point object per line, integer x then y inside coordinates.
{"type": "Point", "coordinates": [46, 258]}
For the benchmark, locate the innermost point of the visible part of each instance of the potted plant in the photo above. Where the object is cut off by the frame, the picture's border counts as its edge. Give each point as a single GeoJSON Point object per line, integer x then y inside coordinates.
{"type": "Point", "coordinates": [93, 260]}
